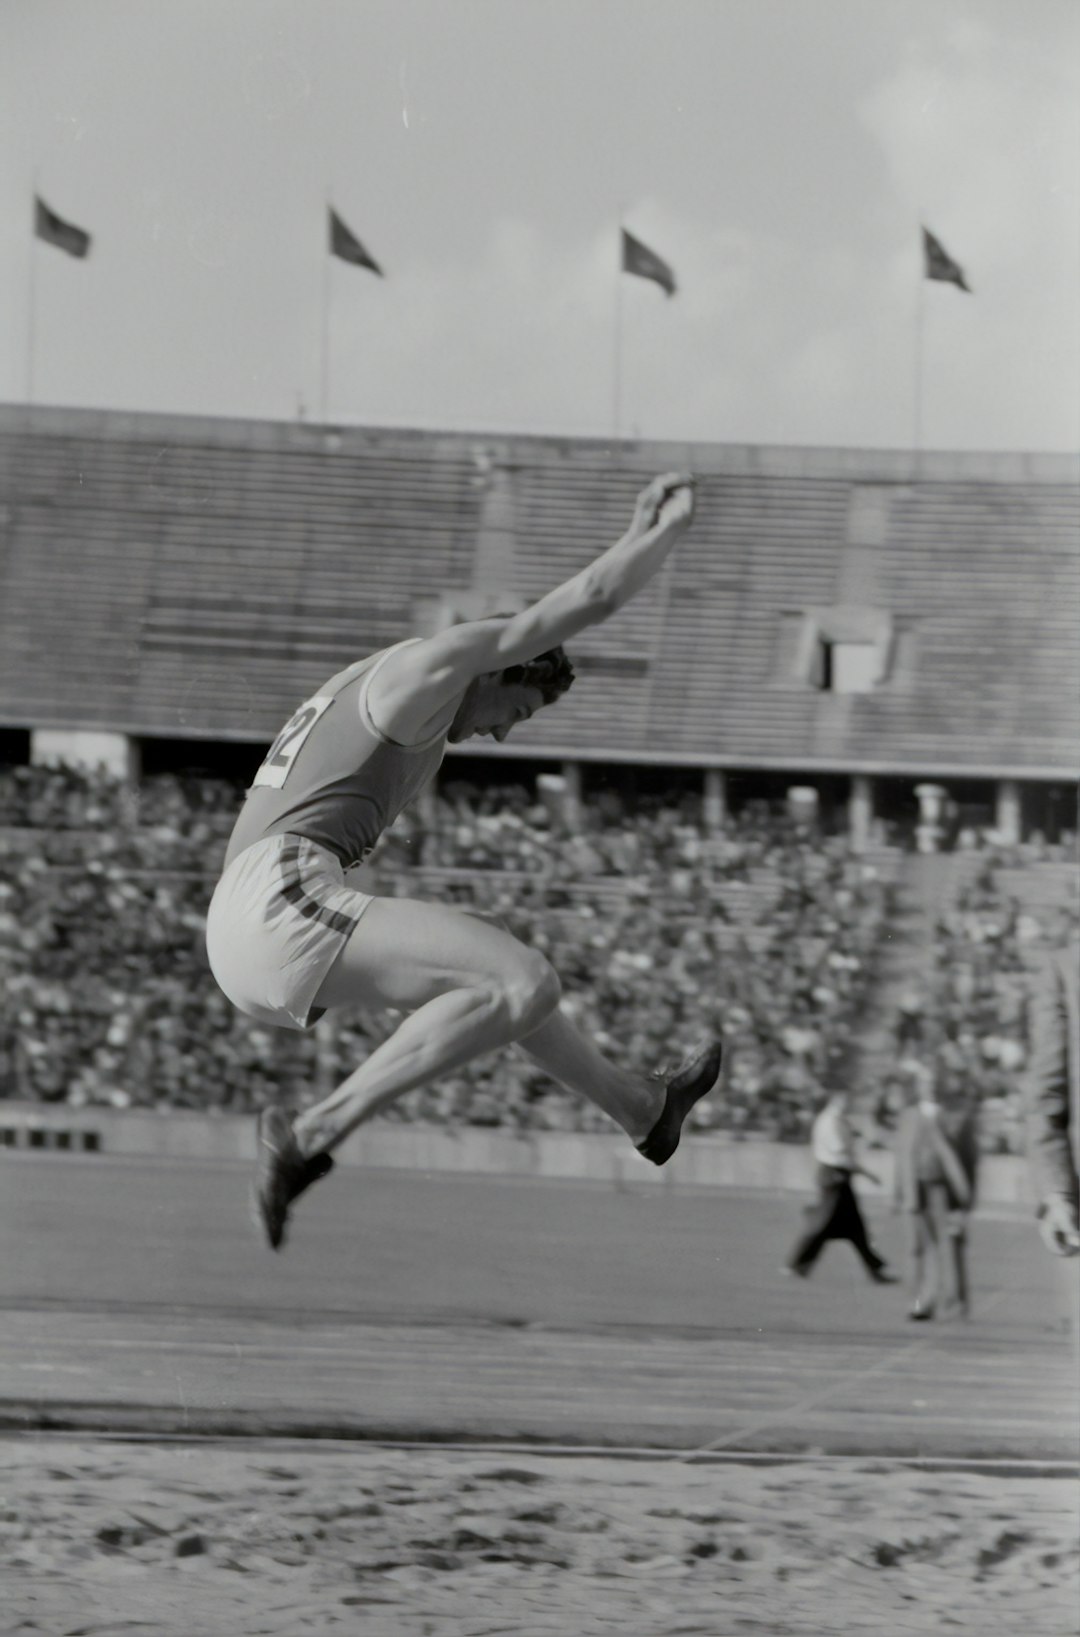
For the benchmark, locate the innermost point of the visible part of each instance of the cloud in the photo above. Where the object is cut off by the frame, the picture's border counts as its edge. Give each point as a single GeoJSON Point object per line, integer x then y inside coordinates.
{"type": "Point", "coordinates": [522, 330]}
{"type": "Point", "coordinates": [796, 315]}
{"type": "Point", "coordinates": [981, 140]}
{"type": "Point", "coordinates": [984, 142]}
{"type": "Point", "coordinates": [455, 341]}
{"type": "Point", "coordinates": [769, 339]}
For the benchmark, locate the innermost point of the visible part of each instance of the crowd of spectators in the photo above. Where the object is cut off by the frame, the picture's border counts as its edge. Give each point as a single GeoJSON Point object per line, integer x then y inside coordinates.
{"type": "Point", "coordinates": [966, 1026]}
{"type": "Point", "coordinates": [660, 931]}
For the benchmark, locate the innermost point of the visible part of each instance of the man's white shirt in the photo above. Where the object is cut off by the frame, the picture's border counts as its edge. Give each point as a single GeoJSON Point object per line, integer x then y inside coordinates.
{"type": "Point", "coordinates": [832, 1140]}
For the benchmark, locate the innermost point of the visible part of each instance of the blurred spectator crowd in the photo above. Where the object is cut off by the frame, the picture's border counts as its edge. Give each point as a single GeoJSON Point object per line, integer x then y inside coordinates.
{"type": "Point", "coordinates": [964, 1030]}
{"type": "Point", "coordinates": [659, 930]}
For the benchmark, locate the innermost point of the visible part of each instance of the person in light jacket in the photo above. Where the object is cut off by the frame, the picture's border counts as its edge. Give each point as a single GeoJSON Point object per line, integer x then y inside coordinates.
{"type": "Point", "coordinates": [935, 1161]}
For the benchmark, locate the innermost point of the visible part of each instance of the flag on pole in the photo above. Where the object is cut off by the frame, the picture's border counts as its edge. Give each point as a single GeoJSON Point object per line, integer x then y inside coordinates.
{"type": "Point", "coordinates": [940, 265]}
{"type": "Point", "coordinates": [645, 263]}
{"type": "Point", "coordinates": [54, 230]}
{"type": "Point", "coordinates": [348, 246]}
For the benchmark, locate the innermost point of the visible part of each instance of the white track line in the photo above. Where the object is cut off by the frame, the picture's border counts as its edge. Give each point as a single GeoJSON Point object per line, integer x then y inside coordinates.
{"type": "Point", "coordinates": [846, 1383]}
{"type": "Point", "coordinates": [315, 1446]}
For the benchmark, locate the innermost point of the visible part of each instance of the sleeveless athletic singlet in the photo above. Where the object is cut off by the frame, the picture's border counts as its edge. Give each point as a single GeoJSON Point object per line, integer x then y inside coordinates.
{"type": "Point", "coordinates": [332, 776]}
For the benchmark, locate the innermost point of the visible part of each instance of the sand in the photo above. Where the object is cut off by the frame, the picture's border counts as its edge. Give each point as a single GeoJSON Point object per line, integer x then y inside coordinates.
{"type": "Point", "coordinates": [237, 1538]}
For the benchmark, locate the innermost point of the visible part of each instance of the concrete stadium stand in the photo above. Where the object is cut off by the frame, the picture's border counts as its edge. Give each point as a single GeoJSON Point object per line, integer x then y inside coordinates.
{"type": "Point", "coordinates": [712, 1160]}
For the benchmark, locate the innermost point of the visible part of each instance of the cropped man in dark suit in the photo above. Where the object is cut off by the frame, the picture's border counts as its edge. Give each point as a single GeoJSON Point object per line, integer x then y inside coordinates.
{"type": "Point", "coordinates": [1052, 1098]}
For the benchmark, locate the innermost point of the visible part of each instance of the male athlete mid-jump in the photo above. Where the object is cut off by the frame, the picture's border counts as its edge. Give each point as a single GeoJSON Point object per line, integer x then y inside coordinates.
{"type": "Point", "coordinates": [287, 939]}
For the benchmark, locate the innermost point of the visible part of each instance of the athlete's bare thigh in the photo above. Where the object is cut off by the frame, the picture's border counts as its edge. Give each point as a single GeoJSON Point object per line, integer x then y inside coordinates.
{"type": "Point", "coordinates": [403, 953]}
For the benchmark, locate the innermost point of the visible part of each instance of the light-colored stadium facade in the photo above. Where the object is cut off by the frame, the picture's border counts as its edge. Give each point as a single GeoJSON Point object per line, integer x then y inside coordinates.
{"type": "Point", "coordinates": [883, 619]}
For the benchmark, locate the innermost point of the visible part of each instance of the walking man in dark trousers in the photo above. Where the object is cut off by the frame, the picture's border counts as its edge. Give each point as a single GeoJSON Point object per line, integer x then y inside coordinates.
{"type": "Point", "coordinates": [835, 1214]}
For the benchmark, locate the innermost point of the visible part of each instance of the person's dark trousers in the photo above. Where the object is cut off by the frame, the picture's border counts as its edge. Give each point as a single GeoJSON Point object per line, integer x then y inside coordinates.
{"type": "Point", "coordinates": [835, 1215]}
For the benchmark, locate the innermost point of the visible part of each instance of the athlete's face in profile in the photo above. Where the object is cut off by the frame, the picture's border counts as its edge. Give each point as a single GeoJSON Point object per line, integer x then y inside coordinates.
{"type": "Point", "coordinates": [492, 707]}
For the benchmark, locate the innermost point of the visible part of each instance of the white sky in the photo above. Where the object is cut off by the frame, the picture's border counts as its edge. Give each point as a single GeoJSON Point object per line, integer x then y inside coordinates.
{"type": "Point", "coordinates": [780, 154]}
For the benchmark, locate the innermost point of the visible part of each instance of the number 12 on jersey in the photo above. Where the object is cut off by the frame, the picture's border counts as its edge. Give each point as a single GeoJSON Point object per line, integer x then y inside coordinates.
{"type": "Point", "coordinates": [283, 752]}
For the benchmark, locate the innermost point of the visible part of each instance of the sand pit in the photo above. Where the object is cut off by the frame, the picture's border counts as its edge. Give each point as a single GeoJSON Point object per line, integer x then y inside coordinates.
{"type": "Point", "coordinates": [107, 1538]}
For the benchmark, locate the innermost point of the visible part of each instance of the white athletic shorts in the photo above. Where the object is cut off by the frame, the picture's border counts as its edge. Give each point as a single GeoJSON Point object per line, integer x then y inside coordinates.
{"type": "Point", "coordinates": [280, 916]}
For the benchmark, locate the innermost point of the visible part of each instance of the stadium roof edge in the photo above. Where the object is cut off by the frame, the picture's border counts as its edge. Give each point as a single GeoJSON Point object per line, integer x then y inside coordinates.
{"type": "Point", "coordinates": [885, 466]}
{"type": "Point", "coordinates": [841, 767]}
{"type": "Point", "coordinates": [776, 764]}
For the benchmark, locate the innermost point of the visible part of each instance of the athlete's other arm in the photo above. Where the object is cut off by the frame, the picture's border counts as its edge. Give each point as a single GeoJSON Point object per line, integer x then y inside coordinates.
{"type": "Point", "coordinates": [418, 682]}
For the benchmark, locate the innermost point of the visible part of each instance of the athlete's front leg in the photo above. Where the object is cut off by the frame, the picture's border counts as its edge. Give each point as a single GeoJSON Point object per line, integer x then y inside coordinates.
{"type": "Point", "coordinates": [468, 987]}
{"type": "Point", "coordinates": [650, 1109]}
{"type": "Point", "coordinates": [558, 1046]}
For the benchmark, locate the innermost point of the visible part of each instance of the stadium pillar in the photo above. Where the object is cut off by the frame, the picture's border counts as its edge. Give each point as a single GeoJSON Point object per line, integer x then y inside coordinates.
{"type": "Point", "coordinates": [929, 830]}
{"type": "Point", "coordinates": [803, 803]}
{"type": "Point", "coordinates": [87, 749]}
{"type": "Point", "coordinates": [1008, 812]}
{"type": "Point", "coordinates": [861, 812]}
{"type": "Point", "coordinates": [715, 799]}
{"type": "Point", "coordinates": [571, 772]}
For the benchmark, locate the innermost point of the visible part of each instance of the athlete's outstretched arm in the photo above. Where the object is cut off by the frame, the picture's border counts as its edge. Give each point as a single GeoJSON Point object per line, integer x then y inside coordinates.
{"type": "Point", "coordinates": [424, 678]}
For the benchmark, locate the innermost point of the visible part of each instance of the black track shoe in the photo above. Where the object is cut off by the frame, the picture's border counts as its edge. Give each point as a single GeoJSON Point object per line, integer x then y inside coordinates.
{"type": "Point", "coordinates": [685, 1088]}
{"type": "Point", "coordinates": [281, 1174]}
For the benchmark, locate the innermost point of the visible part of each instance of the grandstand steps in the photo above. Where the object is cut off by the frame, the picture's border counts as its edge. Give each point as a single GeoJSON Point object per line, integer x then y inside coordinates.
{"type": "Point", "coordinates": [1039, 887]}
{"type": "Point", "coordinates": [923, 886]}
{"type": "Point", "coordinates": [201, 576]}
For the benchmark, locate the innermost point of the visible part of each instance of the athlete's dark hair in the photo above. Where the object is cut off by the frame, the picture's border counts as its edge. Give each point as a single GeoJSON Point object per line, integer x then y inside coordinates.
{"type": "Point", "coordinates": [551, 672]}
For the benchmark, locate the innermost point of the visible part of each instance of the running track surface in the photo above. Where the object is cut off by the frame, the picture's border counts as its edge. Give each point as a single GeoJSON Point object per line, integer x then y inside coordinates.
{"type": "Point", "coordinates": [135, 1296]}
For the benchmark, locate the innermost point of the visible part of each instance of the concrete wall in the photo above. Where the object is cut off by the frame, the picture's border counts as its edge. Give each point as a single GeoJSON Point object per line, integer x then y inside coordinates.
{"type": "Point", "coordinates": [712, 1161]}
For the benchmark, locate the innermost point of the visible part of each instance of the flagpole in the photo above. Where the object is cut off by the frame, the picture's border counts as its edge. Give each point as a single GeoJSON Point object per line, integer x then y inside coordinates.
{"type": "Point", "coordinates": [325, 368]}
{"type": "Point", "coordinates": [920, 322]}
{"type": "Point", "coordinates": [617, 394]}
{"type": "Point", "coordinates": [31, 316]}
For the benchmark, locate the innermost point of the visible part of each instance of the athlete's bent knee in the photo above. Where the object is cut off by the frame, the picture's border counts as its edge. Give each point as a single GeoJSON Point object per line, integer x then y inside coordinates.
{"type": "Point", "coordinates": [532, 993]}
